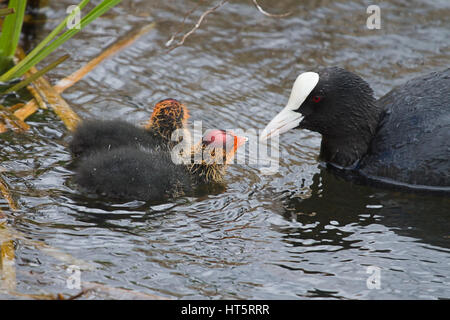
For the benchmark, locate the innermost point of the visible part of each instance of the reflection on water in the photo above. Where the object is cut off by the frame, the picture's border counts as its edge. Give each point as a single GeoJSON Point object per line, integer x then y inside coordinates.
{"type": "Point", "coordinates": [302, 232]}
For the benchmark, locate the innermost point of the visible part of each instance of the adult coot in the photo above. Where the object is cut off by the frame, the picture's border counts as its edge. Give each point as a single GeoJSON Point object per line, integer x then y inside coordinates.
{"type": "Point", "coordinates": [95, 135]}
{"type": "Point", "coordinates": [400, 139]}
{"type": "Point", "coordinates": [130, 173]}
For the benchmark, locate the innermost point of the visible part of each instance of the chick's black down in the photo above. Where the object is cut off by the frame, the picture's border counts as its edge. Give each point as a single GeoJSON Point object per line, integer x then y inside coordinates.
{"type": "Point", "coordinates": [129, 173]}
{"type": "Point", "coordinates": [102, 135]}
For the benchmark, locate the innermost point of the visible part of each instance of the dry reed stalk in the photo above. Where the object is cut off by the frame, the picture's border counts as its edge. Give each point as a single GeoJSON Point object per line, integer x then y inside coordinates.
{"type": "Point", "coordinates": [53, 99]}
{"type": "Point", "coordinates": [4, 190]}
{"type": "Point", "coordinates": [10, 119]}
{"type": "Point", "coordinates": [7, 260]}
{"type": "Point", "coordinates": [31, 107]}
{"type": "Point", "coordinates": [69, 81]}
{"type": "Point", "coordinates": [3, 127]}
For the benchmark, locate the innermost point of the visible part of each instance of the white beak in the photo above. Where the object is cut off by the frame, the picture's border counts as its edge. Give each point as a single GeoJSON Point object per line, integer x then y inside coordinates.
{"type": "Point", "coordinates": [288, 119]}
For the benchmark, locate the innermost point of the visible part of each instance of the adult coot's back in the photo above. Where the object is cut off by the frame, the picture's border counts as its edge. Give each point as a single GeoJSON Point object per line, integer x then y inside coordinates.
{"type": "Point", "coordinates": [401, 139]}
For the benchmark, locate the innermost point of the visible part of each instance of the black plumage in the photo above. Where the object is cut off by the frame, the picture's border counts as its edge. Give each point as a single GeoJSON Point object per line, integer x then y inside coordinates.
{"type": "Point", "coordinates": [104, 135]}
{"type": "Point", "coordinates": [401, 139]}
{"type": "Point", "coordinates": [412, 141]}
{"type": "Point", "coordinates": [137, 173]}
{"type": "Point", "coordinates": [133, 173]}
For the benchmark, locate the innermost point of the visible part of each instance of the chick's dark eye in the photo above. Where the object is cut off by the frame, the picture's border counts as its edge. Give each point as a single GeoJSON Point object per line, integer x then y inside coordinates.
{"type": "Point", "coordinates": [316, 99]}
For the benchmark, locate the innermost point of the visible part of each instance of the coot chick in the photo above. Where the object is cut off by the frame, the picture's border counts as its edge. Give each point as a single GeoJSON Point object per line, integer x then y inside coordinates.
{"type": "Point", "coordinates": [130, 173]}
{"type": "Point", "coordinates": [95, 135]}
{"type": "Point", "coordinates": [401, 139]}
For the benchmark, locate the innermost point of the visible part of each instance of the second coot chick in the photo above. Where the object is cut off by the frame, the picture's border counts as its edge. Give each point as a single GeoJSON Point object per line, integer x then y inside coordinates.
{"type": "Point", "coordinates": [96, 135]}
{"type": "Point", "coordinates": [130, 173]}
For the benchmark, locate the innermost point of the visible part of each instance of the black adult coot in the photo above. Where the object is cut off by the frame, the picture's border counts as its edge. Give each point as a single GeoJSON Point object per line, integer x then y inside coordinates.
{"type": "Point", "coordinates": [95, 135]}
{"type": "Point", "coordinates": [130, 173]}
{"type": "Point", "coordinates": [400, 139]}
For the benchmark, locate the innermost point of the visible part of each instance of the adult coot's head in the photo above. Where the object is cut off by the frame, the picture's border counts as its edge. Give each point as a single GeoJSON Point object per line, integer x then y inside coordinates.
{"type": "Point", "coordinates": [336, 103]}
{"type": "Point", "coordinates": [327, 102]}
{"type": "Point", "coordinates": [168, 115]}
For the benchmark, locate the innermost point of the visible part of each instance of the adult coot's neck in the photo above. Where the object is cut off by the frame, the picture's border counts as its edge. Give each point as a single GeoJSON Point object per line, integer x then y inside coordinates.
{"type": "Point", "coordinates": [348, 145]}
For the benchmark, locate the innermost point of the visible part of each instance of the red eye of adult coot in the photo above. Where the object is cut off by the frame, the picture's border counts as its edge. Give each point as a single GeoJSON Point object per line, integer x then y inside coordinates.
{"type": "Point", "coordinates": [316, 99]}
